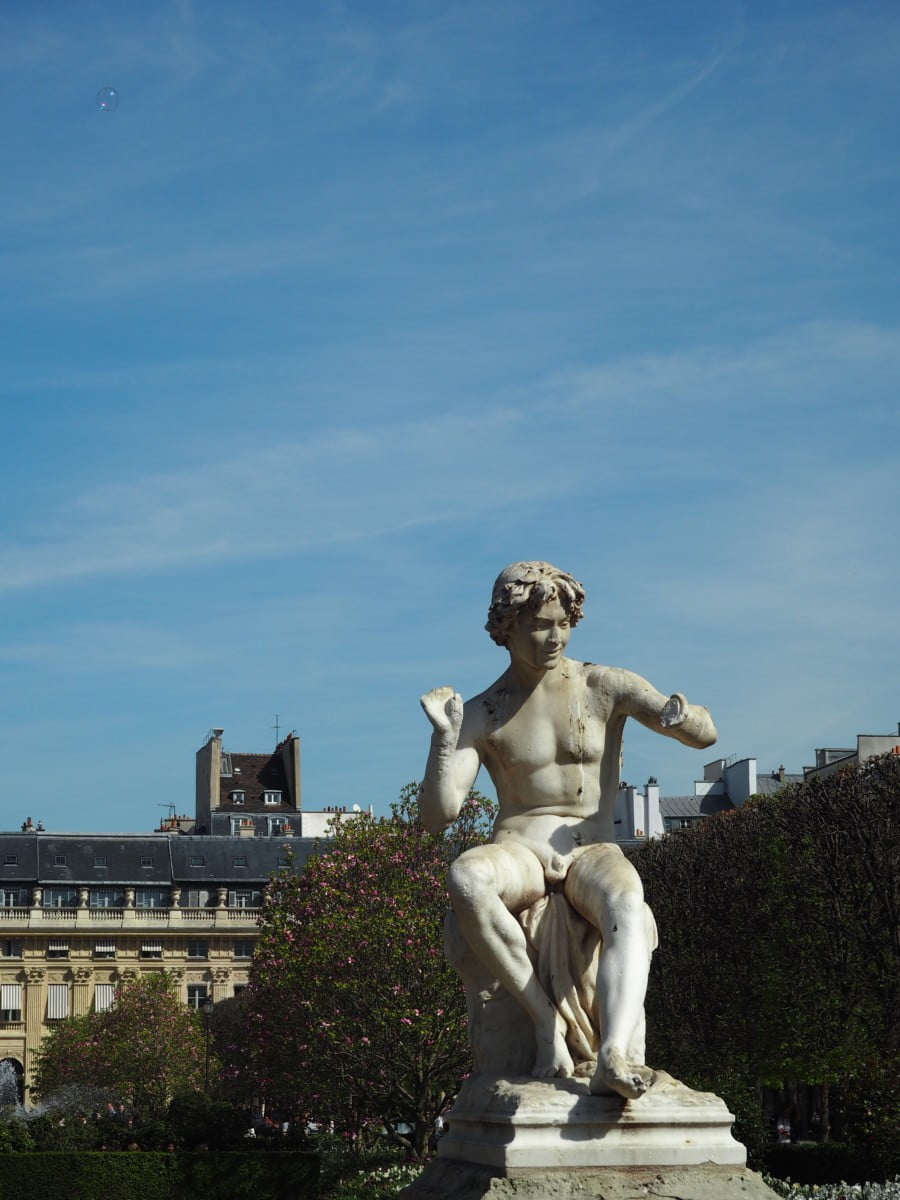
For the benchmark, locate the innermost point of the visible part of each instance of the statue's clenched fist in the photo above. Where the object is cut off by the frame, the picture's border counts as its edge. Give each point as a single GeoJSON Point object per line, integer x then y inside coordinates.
{"type": "Point", "coordinates": [444, 709]}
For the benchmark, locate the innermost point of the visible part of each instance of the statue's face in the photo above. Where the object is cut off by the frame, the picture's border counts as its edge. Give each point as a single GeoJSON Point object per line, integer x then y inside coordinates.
{"type": "Point", "coordinates": [540, 636]}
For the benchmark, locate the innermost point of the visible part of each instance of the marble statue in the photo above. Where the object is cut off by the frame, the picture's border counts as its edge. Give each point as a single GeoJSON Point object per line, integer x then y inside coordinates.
{"type": "Point", "coordinates": [550, 909]}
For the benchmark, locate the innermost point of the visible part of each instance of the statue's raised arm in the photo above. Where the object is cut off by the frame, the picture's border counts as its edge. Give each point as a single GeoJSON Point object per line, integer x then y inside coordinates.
{"type": "Point", "coordinates": [452, 761]}
{"type": "Point", "coordinates": [673, 716]}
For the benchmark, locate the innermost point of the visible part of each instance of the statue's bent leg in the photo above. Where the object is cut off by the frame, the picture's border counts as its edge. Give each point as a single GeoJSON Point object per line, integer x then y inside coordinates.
{"type": "Point", "coordinates": [604, 887]}
{"type": "Point", "coordinates": [487, 885]}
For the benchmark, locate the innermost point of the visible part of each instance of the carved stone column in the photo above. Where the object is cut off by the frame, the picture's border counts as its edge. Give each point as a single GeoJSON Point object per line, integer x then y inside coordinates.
{"type": "Point", "coordinates": [221, 984]}
{"type": "Point", "coordinates": [81, 992]}
{"type": "Point", "coordinates": [35, 1004]}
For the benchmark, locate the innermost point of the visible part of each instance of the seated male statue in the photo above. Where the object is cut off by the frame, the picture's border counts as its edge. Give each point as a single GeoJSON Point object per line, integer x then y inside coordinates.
{"type": "Point", "coordinates": [549, 732]}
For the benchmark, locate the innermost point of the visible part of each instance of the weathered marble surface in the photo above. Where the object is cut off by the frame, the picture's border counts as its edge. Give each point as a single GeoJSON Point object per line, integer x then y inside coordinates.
{"type": "Point", "coordinates": [524, 1123]}
{"type": "Point", "coordinates": [549, 731]}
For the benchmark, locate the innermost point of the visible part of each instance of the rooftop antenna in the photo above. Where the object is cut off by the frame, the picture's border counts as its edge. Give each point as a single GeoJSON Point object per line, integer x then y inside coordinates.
{"type": "Point", "coordinates": [170, 807]}
{"type": "Point", "coordinates": [276, 728]}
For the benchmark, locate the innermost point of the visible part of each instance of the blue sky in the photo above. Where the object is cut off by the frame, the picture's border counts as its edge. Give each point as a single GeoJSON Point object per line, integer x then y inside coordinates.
{"type": "Point", "coordinates": [347, 305]}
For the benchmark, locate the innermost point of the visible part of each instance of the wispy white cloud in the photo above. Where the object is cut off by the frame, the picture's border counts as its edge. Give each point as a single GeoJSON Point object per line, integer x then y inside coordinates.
{"type": "Point", "coordinates": [101, 647]}
{"type": "Point", "coordinates": [334, 487]}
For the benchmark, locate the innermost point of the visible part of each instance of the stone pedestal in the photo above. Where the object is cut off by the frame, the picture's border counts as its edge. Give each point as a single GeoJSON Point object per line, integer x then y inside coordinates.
{"type": "Point", "coordinates": [553, 1140]}
{"type": "Point", "coordinates": [446, 1180]}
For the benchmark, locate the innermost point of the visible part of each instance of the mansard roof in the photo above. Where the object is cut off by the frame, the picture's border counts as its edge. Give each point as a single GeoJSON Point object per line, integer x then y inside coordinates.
{"type": "Point", "coordinates": [136, 859]}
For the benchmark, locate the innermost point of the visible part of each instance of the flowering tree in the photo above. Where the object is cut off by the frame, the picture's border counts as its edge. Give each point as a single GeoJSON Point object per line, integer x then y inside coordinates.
{"type": "Point", "coordinates": [355, 1014]}
{"type": "Point", "coordinates": [146, 1048]}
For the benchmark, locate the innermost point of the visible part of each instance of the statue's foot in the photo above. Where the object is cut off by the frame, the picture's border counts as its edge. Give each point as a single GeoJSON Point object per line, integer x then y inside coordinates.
{"type": "Point", "coordinates": [553, 1060]}
{"type": "Point", "coordinates": [616, 1077]}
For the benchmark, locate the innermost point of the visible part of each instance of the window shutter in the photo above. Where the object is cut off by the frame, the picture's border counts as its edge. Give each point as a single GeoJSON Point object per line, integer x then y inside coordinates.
{"type": "Point", "coordinates": [57, 1001]}
{"type": "Point", "coordinates": [104, 995]}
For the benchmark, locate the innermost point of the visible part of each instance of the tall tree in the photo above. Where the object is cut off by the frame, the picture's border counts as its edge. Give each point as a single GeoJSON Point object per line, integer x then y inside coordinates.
{"type": "Point", "coordinates": [356, 1015]}
{"type": "Point", "coordinates": [780, 934]}
{"type": "Point", "coordinates": [145, 1049]}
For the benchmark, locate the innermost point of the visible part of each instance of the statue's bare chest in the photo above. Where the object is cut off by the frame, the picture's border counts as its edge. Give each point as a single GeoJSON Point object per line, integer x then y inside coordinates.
{"type": "Point", "coordinates": [561, 727]}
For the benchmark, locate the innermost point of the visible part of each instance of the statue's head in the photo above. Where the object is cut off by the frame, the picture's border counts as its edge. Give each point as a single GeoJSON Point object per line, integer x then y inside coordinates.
{"type": "Point", "coordinates": [525, 585]}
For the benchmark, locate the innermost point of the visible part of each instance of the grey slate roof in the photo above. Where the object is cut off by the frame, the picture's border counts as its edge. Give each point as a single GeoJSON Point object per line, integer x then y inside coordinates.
{"type": "Point", "coordinates": [692, 806]}
{"type": "Point", "coordinates": [170, 856]}
{"type": "Point", "coordinates": [767, 785]}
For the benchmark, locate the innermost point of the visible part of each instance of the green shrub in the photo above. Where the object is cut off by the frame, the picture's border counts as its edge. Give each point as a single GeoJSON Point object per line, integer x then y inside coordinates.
{"type": "Point", "coordinates": [57, 1175]}
{"type": "Point", "coordinates": [817, 1162]}
{"type": "Point", "coordinates": [247, 1176]}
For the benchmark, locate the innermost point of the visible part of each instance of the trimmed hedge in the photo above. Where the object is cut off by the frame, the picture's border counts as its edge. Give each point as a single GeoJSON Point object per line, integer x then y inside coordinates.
{"type": "Point", "coordinates": [151, 1175]}
{"type": "Point", "coordinates": [820, 1162]}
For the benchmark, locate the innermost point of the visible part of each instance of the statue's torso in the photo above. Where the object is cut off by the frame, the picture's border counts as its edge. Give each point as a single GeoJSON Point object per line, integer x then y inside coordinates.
{"type": "Point", "coordinates": [553, 756]}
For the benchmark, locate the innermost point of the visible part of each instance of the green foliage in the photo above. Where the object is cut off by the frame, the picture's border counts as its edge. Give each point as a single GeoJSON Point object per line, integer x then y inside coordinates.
{"type": "Point", "coordinates": [780, 943]}
{"type": "Point", "coordinates": [154, 1176]}
{"type": "Point", "coordinates": [195, 1119]}
{"type": "Point", "coordinates": [350, 1171]}
{"type": "Point", "coordinates": [144, 1049]}
{"type": "Point", "coordinates": [356, 1016]}
{"type": "Point", "coordinates": [79, 1176]}
{"type": "Point", "coordinates": [871, 1098]}
{"type": "Point", "coordinates": [247, 1176]}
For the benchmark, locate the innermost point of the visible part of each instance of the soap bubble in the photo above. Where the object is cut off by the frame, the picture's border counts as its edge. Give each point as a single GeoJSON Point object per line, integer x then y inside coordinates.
{"type": "Point", "coordinates": [107, 99]}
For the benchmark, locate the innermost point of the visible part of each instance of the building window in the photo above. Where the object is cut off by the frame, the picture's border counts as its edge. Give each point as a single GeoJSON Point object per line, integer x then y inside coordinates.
{"type": "Point", "coordinates": [151, 897]}
{"type": "Point", "coordinates": [10, 1002]}
{"type": "Point", "coordinates": [239, 860]}
{"type": "Point", "coordinates": [198, 948]}
{"type": "Point", "coordinates": [151, 949]}
{"type": "Point", "coordinates": [238, 988]}
{"type": "Point", "coordinates": [107, 898]}
{"type": "Point", "coordinates": [239, 824]}
{"type": "Point", "coordinates": [57, 1001]}
{"type": "Point", "coordinates": [146, 860]}
{"type": "Point", "coordinates": [60, 860]}
{"type": "Point", "coordinates": [104, 997]}
{"type": "Point", "coordinates": [197, 860]}
{"type": "Point", "coordinates": [14, 897]}
{"type": "Point", "coordinates": [238, 797]}
{"type": "Point", "coordinates": [10, 948]}
{"type": "Point", "coordinates": [11, 859]}
{"type": "Point", "coordinates": [243, 948]}
{"type": "Point", "coordinates": [245, 898]}
{"type": "Point", "coordinates": [196, 995]}
{"type": "Point", "coordinates": [271, 797]}
{"type": "Point", "coordinates": [104, 950]}
{"type": "Point", "coordinates": [60, 897]}
{"type": "Point", "coordinates": [57, 949]}
{"type": "Point", "coordinates": [196, 898]}
{"type": "Point", "coordinates": [277, 826]}
{"type": "Point", "coordinates": [100, 860]}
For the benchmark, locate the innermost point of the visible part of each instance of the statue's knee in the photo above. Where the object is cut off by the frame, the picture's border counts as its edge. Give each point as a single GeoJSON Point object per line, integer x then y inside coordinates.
{"type": "Point", "coordinates": [626, 912]}
{"type": "Point", "coordinates": [468, 881]}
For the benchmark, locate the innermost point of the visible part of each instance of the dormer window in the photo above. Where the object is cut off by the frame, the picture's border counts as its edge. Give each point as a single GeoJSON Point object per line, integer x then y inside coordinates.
{"type": "Point", "coordinates": [271, 797]}
{"type": "Point", "coordinates": [238, 797]}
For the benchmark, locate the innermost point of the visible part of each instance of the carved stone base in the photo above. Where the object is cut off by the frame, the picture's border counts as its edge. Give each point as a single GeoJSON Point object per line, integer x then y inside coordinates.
{"type": "Point", "coordinates": [446, 1180]}
{"type": "Point", "coordinates": [503, 1124]}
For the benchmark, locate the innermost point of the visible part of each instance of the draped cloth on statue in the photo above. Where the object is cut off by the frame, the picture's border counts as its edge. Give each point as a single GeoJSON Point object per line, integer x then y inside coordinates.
{"type": "Point", "coordinates": [565, 950]}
